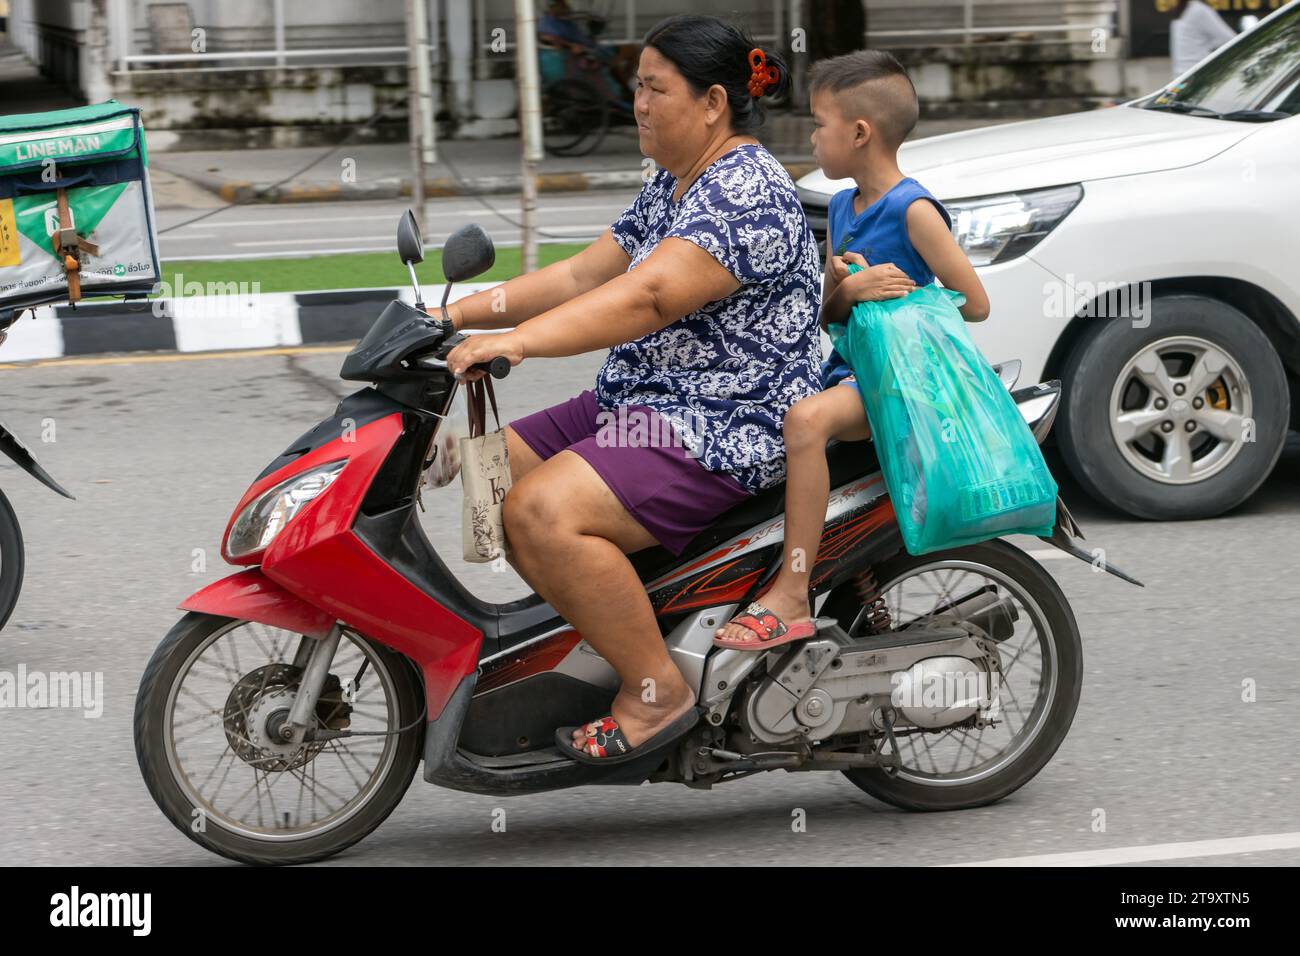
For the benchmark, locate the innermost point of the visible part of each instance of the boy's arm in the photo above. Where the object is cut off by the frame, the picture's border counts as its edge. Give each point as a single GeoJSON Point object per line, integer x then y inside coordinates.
{"type": "Point", "coordinates": [932, 238]}
{"type": "Point", "coordinates": [830, 282]}
{"type": "Point", "coordinates": [872, 284]}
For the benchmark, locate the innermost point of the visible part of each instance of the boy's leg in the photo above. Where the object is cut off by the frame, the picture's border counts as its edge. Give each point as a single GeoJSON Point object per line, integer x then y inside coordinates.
{"type": "Point", "coordinates": [836, 412]}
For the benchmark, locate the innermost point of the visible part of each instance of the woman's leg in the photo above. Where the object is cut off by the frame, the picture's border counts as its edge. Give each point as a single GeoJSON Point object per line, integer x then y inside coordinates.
{"type": "Point", "coordinates": [570, 537]}
{"type": "Point", "coordinates": [522, 458]}
{"type": "Point", "coordinates": [836, 412]}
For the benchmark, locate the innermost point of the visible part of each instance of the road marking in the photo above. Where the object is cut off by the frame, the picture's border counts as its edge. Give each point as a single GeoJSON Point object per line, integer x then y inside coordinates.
{"type": "Point", "coordinates": [385, 217]}
{"type": "Point", "coordinates": [300, 241]}
{"type": "Point", "coordinates": [179, 356]}
{"type": "Point", "coordinates": [507, 243]}
{"type": "Point", "coordinates": [1049, 554]}
{"type": "Point", "coordinates": [1157, 851]}
{"type": "Point", "coordinates": [582, 229]}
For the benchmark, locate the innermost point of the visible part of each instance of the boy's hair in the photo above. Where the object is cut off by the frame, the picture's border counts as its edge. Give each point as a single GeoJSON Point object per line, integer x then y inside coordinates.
{"type": "Point", "coordinates": [870, 85]}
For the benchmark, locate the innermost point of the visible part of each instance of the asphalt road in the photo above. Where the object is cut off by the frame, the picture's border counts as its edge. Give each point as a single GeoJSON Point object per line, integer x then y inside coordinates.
{"type": "Point", "coordinates": [158, 453]}
{"type": "Point", "coordinates": [257, 231]}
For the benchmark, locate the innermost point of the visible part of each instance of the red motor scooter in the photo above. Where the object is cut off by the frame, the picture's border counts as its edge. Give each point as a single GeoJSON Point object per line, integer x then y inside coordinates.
{"type": "Point", "coordinates": [284, 715]}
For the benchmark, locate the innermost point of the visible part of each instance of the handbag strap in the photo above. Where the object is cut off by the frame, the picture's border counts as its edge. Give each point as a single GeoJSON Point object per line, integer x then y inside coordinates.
{"type": "Point", "coordinates": [486, 380]}
{"type": "Point", "coordinates": [474, 399]}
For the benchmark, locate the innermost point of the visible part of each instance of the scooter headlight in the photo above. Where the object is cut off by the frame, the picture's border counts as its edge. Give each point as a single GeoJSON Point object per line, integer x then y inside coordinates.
{"type": "Point", "coordinates": [994, 229]}
{"type": "Point", "coordinates": [267, 515]}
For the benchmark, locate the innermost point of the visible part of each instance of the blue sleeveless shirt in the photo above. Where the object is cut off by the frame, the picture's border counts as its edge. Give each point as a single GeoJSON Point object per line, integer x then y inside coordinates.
{"type": "Point", "coordinates": [879, 235]}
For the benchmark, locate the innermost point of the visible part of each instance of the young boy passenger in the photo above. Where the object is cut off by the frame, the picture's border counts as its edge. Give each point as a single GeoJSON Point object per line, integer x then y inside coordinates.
{"type": "Point", "coordinates": [863, 107]}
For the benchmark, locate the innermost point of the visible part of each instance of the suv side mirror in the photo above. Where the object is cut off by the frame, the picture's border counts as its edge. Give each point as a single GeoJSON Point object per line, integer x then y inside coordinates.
{"type": "Point", "coordinates": [468, 253]}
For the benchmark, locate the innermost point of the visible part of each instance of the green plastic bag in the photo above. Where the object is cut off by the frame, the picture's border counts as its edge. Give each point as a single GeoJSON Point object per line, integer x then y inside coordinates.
{"type": "Point", "coordinates": [960, 463]}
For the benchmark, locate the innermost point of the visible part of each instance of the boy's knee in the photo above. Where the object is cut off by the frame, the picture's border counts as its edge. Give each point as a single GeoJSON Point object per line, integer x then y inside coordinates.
{"type": "Point", "coordinates": [803, 428]}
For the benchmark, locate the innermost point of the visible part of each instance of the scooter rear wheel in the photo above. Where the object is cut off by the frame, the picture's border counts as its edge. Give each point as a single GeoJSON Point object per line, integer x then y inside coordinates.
{"type": "Point", "coordinates": [204, 719]}
{"type": "Point", "coordinates": [11, 560]}
{"type": "Point", "coordinates": [1037, 707]}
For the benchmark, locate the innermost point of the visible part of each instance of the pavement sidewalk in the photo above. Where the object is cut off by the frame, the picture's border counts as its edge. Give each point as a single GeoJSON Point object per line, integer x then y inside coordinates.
{"type": "Point", "coordinates": [465, 167]}
{"type": "Point", "coordinates": [210, 178]}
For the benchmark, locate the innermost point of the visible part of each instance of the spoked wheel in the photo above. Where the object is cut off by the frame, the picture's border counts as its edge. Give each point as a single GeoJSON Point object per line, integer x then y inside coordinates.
{"type": "Point", "coordinates": [1041, 673]}
{"type": "Point", "coordinates": [11, 560]}
{"type": "Point", "coordinates": [575, 117]}
{"type": "Point", "coordinates": [206, 734]}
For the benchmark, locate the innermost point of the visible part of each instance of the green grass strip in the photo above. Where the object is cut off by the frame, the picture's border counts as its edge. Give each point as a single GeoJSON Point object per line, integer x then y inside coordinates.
{"type": "Point", "coordinates": [352, 271]}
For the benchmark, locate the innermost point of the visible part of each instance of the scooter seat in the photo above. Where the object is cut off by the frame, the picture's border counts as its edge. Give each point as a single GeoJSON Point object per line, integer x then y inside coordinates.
{"type": "Point", "coordinates": [846, 460]}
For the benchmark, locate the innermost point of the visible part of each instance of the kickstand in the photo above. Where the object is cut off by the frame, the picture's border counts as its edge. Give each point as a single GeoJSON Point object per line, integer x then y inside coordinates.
{"type": "Point", "coordinates": [895, 761]}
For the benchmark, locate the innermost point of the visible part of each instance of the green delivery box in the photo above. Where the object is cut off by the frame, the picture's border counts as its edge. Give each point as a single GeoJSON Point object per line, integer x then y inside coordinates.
{"type": "Point", "coordinates": [76, 213]}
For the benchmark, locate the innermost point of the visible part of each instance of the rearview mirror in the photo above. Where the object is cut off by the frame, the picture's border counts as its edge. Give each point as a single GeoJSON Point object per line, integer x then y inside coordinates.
{"type": "Point", "coordinates": [410, 244]}
{"type": "Point", "coordinates": [468, 253]}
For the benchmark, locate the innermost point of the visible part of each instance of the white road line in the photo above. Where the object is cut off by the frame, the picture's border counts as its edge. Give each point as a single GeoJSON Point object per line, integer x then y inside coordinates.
{"type": "Point", "coordinates": [1157, 851]}
{"type": "Point", "coordinates": [285, 254]}
{"type": "Point", "coordinates": [433, 214]}
{"type": "Point", "coordinates": [588, 229]}
{"type": "Point", "coordinates": [1048, 554]}
{"type": "Point", "coordinates": [301, 241]}
{"type": "Point", "coordinates": [506, 243]}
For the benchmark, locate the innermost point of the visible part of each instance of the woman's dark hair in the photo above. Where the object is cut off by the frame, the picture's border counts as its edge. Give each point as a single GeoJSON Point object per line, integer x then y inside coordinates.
{"type": "Point", "coordinates": [706, 51]}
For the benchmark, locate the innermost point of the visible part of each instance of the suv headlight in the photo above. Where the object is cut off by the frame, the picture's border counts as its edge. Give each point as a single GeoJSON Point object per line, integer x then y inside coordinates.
{"type": "Point", "coordinates": [997, 228]}
{"type": "Point", "coordinates": [267, 515]}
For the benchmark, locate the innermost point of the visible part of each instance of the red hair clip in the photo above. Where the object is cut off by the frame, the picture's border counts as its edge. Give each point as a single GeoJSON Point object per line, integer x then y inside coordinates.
{"type": "Point", "coordinates": [761, 76]}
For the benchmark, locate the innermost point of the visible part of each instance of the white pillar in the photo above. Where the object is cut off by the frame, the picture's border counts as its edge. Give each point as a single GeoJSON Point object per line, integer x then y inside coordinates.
{"type": "Point", "coordinates": [95, 54]}
{"type": "Point", "coordinates": [119, 32]}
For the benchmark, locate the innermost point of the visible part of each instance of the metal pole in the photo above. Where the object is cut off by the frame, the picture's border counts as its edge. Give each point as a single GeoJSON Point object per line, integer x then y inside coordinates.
{"type": "Point", "coordinates": [413, 114]}
{"type": "Point", "coordinates": [279, 31]}
{"type": "Point", "coordinates": [480, 40]}
{"type": "Point", "coordinates": [424, 80]}
{"type": "Point", "coordinates": [530, 122]}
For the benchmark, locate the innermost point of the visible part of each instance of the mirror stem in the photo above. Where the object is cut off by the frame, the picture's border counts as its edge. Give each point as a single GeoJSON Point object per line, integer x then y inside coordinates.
{"type": "Point", "coordinates": [446, 291]}
{"type": "Point", "coordinates": [419, 295]}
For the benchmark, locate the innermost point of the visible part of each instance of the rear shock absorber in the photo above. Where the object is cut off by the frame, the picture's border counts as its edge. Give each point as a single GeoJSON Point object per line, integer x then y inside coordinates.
{"type": "Point", "coordinates": [874, 616]}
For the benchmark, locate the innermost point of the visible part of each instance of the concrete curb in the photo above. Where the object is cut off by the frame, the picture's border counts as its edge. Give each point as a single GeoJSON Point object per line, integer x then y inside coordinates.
{"type": "Point", "coordinates": [213, 324]}
{"type": "Point", "coordinates": [243, 191]}
{"type": "Point", "coordinates": [206, 323]}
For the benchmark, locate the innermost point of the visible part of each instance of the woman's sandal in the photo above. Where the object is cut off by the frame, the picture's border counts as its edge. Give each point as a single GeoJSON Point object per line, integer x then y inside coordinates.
{"type": "Point", "coordinates": [606, 744]}
{"type": "Point", "coordinates": [770, 630]}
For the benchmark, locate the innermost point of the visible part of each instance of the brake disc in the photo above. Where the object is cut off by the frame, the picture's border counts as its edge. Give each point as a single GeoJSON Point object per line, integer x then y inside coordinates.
{"type": "Point", "coordinates": [261, 702]}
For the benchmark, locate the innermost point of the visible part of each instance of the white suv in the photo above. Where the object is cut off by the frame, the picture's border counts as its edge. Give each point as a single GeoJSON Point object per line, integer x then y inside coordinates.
{"type": "Point", "coordinates": [1149, 257]}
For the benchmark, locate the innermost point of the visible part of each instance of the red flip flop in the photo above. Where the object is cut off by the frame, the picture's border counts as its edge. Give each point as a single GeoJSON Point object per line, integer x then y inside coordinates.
{"type": "Point", "coordinates": [771, 630]}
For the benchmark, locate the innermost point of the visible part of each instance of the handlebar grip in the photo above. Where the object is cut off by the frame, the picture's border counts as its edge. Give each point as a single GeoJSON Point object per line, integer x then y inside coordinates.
{"type": "Point", "coordinates": [499, 367]}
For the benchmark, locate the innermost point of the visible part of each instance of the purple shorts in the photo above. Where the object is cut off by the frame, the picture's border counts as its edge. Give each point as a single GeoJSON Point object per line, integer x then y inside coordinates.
{"type": "Point", "coordinates": [661, 485]}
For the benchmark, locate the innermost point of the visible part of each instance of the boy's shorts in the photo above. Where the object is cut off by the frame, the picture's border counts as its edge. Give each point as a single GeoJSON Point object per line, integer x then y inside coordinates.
{"type": "Point", "coordinates": [667, 490]}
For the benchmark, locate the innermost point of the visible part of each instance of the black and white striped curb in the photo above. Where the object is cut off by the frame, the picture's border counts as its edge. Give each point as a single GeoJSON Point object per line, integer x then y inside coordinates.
{"type": "Point", "coordinates": [207, 323]}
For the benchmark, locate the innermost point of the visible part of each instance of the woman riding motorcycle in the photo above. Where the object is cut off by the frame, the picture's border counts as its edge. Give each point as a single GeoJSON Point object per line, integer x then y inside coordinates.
{"type": "Point", "coordinates": [706, 292]}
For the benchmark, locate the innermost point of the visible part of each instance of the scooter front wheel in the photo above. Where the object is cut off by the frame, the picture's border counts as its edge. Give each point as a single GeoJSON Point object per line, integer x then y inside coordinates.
{"type": "Point", "coordinates": [207, 740]}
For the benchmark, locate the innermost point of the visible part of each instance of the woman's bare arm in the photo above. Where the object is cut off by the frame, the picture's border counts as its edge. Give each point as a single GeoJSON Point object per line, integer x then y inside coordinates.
{"type": "Point", "coordinates": [529, 295]}
{"type": "Point", "coordinates": [676, 279]}
{"type": "Point", "coordinates": [933, 240]}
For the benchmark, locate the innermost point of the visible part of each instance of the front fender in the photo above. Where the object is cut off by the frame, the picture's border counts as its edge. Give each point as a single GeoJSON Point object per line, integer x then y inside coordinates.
{"type": "Point", "coordinates": [25, 460]}
{"type": "Point", "coordinates": [250, 595]}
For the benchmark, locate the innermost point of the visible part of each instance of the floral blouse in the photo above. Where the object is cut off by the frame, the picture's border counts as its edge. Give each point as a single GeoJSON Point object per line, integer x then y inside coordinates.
{"type": "Point", "coordinates": [726, 374]}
